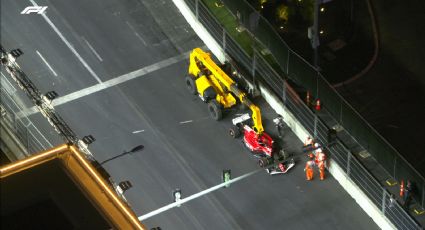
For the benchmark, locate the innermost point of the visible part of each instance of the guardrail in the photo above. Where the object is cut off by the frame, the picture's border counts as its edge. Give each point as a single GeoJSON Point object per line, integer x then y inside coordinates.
{"type": "Point", "coordinates": [298, 70]}
{"type": "Point", "coordinates": [29, 136]}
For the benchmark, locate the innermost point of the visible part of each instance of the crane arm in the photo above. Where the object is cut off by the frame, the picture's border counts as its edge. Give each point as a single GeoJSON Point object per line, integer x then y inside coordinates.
{"type": "Point", "coordinates": [256, 113]}
{"type": "Point", "coordinates": [201, 60]}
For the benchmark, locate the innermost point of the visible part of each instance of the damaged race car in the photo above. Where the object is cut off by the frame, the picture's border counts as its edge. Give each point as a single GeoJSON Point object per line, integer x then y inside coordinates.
{"type": "Point", "coordinates": [281, 168]}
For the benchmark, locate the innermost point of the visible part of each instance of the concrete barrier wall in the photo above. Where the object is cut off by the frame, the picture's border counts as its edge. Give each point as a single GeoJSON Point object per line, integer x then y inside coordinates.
{"type": "Point", "coordinates": [359, 196]}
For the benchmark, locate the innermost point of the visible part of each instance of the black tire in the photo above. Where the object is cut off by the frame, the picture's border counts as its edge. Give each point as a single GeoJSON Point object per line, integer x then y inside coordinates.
{"type": "Point", "coordinates": [191, 85]}
{"type": "Point", "coordinates": [215, 110]}
{"type": "Point", "coordinates": [263, 162]}
{"type": "Point", "coordinates": [235, 132]}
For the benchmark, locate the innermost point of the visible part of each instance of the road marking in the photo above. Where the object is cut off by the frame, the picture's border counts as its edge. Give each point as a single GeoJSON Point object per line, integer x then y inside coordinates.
{"type": "Point", "coordinates": [196, 195]}
{"type": "Point", "coordinates": [68, 44]}
{"type": "Point", "coordinates": [138, 131]}
{"type": "Point", "coordinates": [113, 82]}
{"type": "Point", "coordinates": [135, 32]}
{"type": "Point", "coordinates": [184, 122]}
{"type": "Point", "coordinates": [45, 62]}
{"type": "Point", "coordinates": [93, 50]}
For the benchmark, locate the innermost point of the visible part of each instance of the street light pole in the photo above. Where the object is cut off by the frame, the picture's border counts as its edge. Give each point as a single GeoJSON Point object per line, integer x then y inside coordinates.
{"type": "Point", "coordinates": [315, 40]}
{"type": "Point", "coordinates": [133, 150]}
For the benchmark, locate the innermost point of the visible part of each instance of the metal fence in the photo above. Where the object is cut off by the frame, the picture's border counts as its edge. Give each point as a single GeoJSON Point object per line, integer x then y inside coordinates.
{"type": "Point", "coordinates": [298, 70]}
{"type": "Point", "coordinates": [29, 136]}
{"type": "Point", "coordinates": [301, 72]}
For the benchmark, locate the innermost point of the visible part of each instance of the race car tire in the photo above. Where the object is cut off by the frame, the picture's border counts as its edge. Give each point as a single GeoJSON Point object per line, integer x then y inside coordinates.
{"type": "Point", "coordinates": [215, 110]}
{"type": "Point", "coordinates": [263, 162]}
{"type": "Point", "coordinates": [191, 85]}
{"type": "Point", "coordinates": [235, 132]}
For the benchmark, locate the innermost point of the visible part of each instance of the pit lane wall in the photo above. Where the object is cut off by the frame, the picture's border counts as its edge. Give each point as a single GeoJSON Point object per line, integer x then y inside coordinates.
{"type": "Point", "coordinates": [337, 172]}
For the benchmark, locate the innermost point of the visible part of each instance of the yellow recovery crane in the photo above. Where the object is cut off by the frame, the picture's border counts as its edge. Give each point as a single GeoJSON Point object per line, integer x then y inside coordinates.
{"type": "Point", "coordinates": [220, 92]}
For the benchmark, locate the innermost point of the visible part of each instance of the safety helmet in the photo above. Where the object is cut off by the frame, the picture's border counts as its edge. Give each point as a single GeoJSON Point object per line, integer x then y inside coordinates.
{"type": "Point", "coordinates": [316, 145]}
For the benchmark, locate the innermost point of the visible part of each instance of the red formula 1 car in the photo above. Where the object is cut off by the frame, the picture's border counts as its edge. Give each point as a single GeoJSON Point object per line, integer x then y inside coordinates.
{"type": "Point", "coordinates": [261, 145]}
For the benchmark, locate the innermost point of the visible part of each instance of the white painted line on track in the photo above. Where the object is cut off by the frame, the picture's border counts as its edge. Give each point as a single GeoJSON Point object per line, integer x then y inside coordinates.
{"type": "Point", "coordinates": [184, 122]}
{"type": "Point", "coordinates": [196, 195]}
{"type": "Point", "coordinates": [45, 62]}
{"type": "Point", "coordinates": [68, 44]}
{"type": "Point", "coordinates": [92, 49]}
{"type": "Point", "coordinates": [115, 81]}
{"type": "Point", "coordinates": [138, 131]}
{"type": "Point", "coordinates": [135, 32]}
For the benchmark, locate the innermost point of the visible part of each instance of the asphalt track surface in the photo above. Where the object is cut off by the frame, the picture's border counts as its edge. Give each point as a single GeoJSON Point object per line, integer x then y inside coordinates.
{"type": "Point", "coordinates": [184, 148]}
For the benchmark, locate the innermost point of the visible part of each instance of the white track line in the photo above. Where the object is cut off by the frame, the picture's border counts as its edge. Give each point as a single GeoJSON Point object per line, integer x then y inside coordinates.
{"type": "Point", "coordinates": [93, 50]}
{"type": "Point", "coordinates": [138, 131]}
{"type": "Point", "coordinates": [135, 32]}
{"type": "Point", "coordinates": [196, 195]}
{"type": "Point", "coordinates": [184, 122]}
{"type": "Point", "coordinates": [115, 81]}
{"type": "Point", "coordinates": [68, 44]}
{"type": "Point", "coordinates": [45, 62]}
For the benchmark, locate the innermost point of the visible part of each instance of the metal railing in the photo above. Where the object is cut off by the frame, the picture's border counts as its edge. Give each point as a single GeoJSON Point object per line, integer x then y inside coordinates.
{"type": "Point", "coordinates": [28, 134]}
{"type": "Point", "coordinates": [299, 71]}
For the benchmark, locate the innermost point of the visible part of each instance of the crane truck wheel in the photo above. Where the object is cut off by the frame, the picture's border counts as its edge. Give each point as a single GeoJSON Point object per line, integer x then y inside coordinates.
{"type": "Point", "coordinates": [235, 132]}
{"type": "Point", "coordinates": [190, 84]}
{"type": "Point", "coordinates": [215, 110]}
